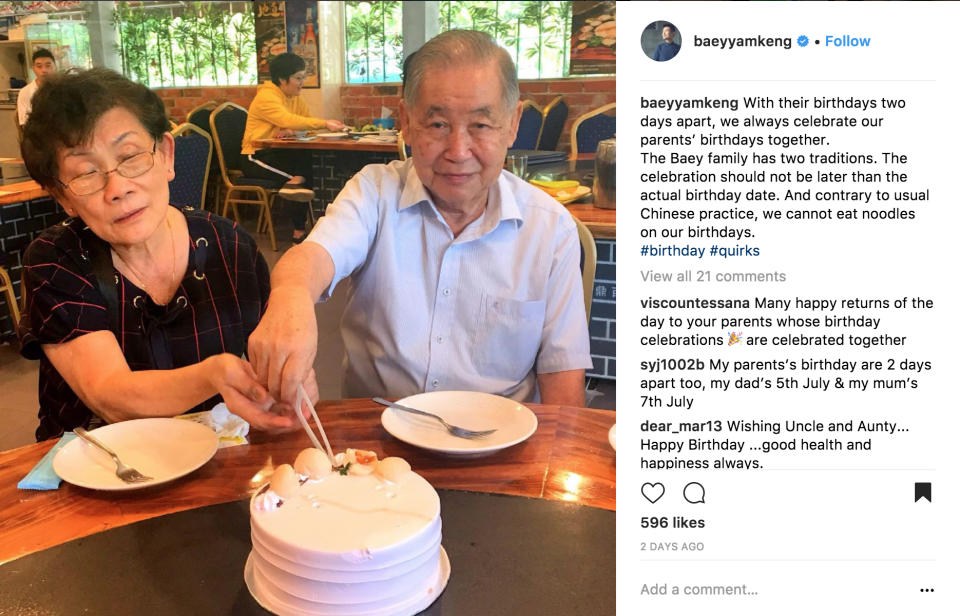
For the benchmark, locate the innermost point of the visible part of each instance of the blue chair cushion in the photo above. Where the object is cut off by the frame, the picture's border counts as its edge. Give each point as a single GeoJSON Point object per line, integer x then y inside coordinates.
{"type": "Point", "coordinates": [529, 129]}
{"type": "Point", "coordinates": [594, 130]}
{"type": "Point", "coordinates": [553, 126]}
{"type": "Point", "coordinates": [190, 167]}
{"type": "Point", "coordinates": [231, 123]}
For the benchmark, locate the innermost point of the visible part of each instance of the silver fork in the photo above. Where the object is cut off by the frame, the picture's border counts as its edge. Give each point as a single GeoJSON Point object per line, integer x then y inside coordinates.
{"type": "Point", "coordinates": [124, 472]}
{"type": "Point", "coordinates": [452, 429]}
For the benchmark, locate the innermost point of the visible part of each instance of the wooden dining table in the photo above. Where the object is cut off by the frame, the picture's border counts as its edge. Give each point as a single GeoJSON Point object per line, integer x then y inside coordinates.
{"type": "Point", "coordinates": [567, 459]}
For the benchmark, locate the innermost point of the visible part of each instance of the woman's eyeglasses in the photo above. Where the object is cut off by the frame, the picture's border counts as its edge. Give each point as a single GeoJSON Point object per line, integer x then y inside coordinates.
{"type": "Point", "coordinates": [95, 181]}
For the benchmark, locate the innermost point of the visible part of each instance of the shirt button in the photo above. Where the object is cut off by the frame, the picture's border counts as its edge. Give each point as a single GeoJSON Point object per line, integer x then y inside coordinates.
{"type": "Point", "coordinates": [446, 291]}
{"type": "Point", "coordinates": [435, 383]}
{"type": "Point", "coordinates": [439, 339]}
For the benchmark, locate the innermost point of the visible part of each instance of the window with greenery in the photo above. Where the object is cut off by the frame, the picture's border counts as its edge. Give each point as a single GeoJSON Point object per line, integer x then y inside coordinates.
{"type": "Point", "coordinates": [537, 34]}
{"type": "Point", "coordinates": [374, 37]}
{"type": "Point", "coordinates": [169, 44]}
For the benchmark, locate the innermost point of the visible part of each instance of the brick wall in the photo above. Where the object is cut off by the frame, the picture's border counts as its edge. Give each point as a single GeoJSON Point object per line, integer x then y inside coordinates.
{"type": "Point", "coordinates": [361, 103]}
{"type": "Point", "coordinates": [179, 101]}
{"type": "Point", "coordinates": [603, 313]}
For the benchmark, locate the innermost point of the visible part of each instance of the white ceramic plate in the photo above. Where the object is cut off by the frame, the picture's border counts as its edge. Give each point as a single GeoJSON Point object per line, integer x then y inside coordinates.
{"type": "Point", "coordinates": [163, 448]}
{"type": "Point", "coordinates": [331, 135]}
{"type": "Point", "coordinates": [468, 409]}
{"type": "Point", "coordinates": [612, 436]}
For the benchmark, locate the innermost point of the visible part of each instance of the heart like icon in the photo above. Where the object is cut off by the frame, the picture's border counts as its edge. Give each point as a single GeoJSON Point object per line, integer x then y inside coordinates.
{"type": "Point", "coordinates": [652, 491]}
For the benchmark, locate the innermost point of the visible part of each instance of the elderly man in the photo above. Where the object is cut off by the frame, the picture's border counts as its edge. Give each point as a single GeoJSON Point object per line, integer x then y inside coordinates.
{"type": "Point", "coordinates": [667, 49]}
{"type": "Point", "coordinates": [463, 277]}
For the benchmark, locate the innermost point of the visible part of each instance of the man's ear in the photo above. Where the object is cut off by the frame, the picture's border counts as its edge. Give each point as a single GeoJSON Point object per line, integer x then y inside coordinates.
{"type": "Point", "coordinates": [403, 117]}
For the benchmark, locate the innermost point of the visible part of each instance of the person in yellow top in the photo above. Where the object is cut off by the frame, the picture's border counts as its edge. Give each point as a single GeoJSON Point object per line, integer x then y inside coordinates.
{"type": "Point", "coordinates": [277, 111]}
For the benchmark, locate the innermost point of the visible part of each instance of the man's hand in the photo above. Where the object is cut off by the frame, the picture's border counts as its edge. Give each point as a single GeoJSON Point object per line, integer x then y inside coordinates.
{"type": "Point", "coordinates": [282, 347]}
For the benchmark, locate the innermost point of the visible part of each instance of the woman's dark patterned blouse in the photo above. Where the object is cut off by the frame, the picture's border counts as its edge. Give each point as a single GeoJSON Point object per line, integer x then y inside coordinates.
{"type": "Point", "coordinates": [217, 306]}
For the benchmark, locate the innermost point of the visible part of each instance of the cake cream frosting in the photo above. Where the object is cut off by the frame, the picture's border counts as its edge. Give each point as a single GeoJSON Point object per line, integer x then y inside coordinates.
{"type": "Point", "coordinates": [353, 537]}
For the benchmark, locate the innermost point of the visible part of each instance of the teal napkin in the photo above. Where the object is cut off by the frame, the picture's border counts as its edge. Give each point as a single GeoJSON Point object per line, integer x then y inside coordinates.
{"type": "Point", "coordinates": [42, 476]}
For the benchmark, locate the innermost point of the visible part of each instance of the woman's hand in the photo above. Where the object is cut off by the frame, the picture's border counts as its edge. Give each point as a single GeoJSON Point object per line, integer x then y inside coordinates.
{"type": "Point", "coordinates": [335, 125]}
{"type": "Point", "coordinates": [283, 133]}
{"type": "Point", "coordinates": [236, 381]}
{"type": "Point", "coordinates": [313, 396]}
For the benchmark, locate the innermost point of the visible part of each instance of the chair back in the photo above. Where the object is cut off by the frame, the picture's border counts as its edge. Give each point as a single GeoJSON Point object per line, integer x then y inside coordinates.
{"type": "Point", "coordinates": [6, 288]}
{"type": "Point", "coordinates": [228, 121]}
{"type": "Point", "coordinates": [200, 115]}
{"type": "Point", "coordinates": [588, 263]}
{"type": "Point", "coordinates": [192, 153]}
{"type": "Point", "coordinates": [554, 117]}
{"type": "Point", "coordinates": [591, 128]}
{"type": "Point", "coordinates": [531, 117]}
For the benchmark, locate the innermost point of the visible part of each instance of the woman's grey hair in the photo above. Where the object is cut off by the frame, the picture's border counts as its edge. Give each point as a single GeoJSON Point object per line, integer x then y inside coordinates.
{"type": "Point", "coordinates": [457, 48]}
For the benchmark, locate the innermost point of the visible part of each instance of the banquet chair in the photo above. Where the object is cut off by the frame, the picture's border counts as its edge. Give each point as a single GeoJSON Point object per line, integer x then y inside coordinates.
{"type": "Point", "coordinates": [192, 154]}
{"type": "Point", "coordinates": [531, 117]}
{"type": "Point", "coordinates": [588, 263]}
{"type": "Point", "coordinates": [6, 287]}
{"type": "Point", "coordinates": [554, 117]}
{"type": "Point", "coordinates": [200, 116]}
{"type": "Point", "coordinates": [228, 122]}
{"type": "Point", "coordinates": [591, 128]}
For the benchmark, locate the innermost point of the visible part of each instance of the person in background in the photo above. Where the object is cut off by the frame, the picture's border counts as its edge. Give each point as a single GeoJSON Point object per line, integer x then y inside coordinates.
{"type": "Point", "coordinates": [134, 308]}
{"type": "Point", "coordinates": [277, 111]}
{"type": "Point", "coordinates": [462, 276]}
{"type": "Point", "coordinates": [667, 49]}
{"type": "Point", "coordinates": [43, 64]}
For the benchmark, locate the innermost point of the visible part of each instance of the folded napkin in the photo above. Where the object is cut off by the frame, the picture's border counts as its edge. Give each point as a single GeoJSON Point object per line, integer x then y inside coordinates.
{"type": "Point", "coordinates": [231, 429]}
{"type": "Point", "coordinates": [377, 139]}
{"type": "Point", "coordinates": [42, 477]}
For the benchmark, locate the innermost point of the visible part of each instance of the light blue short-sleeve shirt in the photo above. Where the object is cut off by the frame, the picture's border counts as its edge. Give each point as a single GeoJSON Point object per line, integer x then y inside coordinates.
{"type": "Point", "coordinates": [485, 311]}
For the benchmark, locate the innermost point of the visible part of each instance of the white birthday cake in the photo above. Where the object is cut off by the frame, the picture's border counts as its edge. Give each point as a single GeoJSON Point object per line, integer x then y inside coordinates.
{"type": "Point", "coordinates": [353, 537]}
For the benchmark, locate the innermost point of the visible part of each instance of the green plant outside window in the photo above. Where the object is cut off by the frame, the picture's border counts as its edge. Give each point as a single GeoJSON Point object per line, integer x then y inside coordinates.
{"type": "Point", "coordinates": [537, 35]}
{"type": "Point", "coordinates": [187, 44]}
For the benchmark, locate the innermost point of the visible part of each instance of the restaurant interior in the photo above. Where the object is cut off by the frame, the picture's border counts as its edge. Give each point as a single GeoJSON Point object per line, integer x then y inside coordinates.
{"type": "Point", "coordinates": [205, 61]}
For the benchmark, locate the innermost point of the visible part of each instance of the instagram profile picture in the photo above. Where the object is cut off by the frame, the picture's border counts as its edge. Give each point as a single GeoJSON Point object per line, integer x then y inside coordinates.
{"type": "Point", "coordinates": [661, 41]}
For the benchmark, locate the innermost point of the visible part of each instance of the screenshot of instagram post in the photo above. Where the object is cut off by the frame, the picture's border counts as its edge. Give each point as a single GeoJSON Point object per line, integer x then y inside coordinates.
{"type": "Point", "coordinates": [788, 308]}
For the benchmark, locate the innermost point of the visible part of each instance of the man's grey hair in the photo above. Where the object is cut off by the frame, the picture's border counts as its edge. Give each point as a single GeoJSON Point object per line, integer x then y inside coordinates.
{"type": "Point", "coordinates": [458, 48]}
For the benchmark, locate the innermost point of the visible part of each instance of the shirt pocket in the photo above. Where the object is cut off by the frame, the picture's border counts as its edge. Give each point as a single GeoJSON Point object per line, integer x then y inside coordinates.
{"type": "Point", "coordinates": [508, 335]}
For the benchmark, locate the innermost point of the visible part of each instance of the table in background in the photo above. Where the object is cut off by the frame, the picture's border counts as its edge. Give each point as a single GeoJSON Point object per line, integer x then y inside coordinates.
{"type": "Point", "coordinates": [567, 459]}
{"type": "Point", "coordinates": [334, 161]}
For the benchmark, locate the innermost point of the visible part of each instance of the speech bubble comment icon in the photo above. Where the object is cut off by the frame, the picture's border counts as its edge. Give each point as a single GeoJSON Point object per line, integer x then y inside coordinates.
{"type": "Point", "coordinates": [694, 493]}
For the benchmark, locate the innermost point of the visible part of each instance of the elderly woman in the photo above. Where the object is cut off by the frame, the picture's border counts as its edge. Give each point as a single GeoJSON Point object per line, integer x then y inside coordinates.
{"type": "Point", "coordinates": [134, 307]}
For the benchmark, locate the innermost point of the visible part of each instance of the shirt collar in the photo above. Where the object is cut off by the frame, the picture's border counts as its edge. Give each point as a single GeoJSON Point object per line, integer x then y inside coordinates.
{"type": "Point", "coordinates": [501, 202]}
